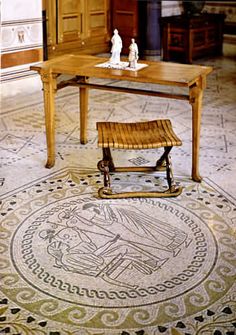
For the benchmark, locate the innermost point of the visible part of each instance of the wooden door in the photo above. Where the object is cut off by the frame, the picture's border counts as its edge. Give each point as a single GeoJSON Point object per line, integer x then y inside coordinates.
{"type": "Point", "coordinates": [98, 17]}
{"type": "Point", "coordinates": [78, 26]}
{"type": "Point", "coordinates": [69, 22]}
{"type": "Point", "coordinates": [98, 22]}
{"type": "Point", "coordinates": [125, 20]}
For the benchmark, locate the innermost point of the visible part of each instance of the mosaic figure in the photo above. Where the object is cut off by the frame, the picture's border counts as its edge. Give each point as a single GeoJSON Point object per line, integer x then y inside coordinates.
{"type": "Point", "coordinates": [74, 251]}
{"type": "Point", "coordinates": [106, 240]}
{"type": "Point", "coordinates": [141, 229]}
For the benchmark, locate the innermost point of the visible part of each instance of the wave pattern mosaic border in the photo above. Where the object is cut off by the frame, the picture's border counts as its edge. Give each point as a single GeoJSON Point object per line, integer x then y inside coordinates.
{"type": "Point", "coordinates": [199, 299]}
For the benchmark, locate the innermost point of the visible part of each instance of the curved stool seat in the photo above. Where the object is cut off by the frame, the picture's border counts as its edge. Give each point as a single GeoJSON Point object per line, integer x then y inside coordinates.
{"type": "Point", "coordinates": [137, 136]}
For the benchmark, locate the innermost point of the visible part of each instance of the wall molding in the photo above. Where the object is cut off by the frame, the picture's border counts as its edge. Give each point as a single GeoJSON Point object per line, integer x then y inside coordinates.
{"type": "Point", "coordinates": [15, 49]}
{"type": "Point", "coordinates": [21, 57]}
{"type": "Point", "coordinates": [21, 22]}
{"type": "Point", "coordinates": [17, 74]}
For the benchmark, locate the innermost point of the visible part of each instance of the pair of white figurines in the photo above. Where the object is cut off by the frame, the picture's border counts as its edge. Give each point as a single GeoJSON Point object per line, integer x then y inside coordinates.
{"type": "Point", "coordinates": [117, 47]}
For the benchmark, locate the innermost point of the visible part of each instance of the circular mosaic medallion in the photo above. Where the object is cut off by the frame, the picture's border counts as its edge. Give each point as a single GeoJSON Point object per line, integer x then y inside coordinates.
{"type": "Point", "coordinates": [112, 253]}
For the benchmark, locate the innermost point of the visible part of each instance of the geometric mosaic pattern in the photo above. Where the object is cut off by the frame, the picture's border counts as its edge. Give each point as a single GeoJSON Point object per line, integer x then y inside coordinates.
{"type": "Point", "coordinates": [71, 263]}
{"type": "Point", "coordinates": [123, 277]}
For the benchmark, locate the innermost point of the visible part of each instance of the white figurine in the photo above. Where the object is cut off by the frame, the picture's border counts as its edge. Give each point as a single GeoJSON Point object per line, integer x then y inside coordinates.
{"type": "Point", "coordinates": [116, 48]}
{"type": "Point", "coordinates": [133, 54]}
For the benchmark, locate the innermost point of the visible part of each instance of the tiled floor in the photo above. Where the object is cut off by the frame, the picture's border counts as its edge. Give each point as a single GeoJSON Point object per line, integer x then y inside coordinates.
{"type": "Point", "coordinates": [74, 264]}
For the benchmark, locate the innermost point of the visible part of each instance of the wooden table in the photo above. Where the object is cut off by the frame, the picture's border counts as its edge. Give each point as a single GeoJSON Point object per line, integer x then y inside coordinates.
{"type": "Point", "coordinates": [83, 67]}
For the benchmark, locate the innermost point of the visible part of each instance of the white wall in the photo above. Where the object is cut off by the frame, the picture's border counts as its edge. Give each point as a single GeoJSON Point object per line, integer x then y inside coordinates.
{"type": "Point", "coordinates": [169, 8]}
{"type": "Point", "coordinates": [21, 31]}
{"type": "Point", "coordinates": [21, 9]}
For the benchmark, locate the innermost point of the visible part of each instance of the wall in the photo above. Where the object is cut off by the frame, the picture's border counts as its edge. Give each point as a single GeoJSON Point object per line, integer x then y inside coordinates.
{"type": "Point", "coordinates": [229, 9]}
{"type": "Point", "coordinates": [169, 8]}
{"type": "Point", "coordinates": [226, 7]}
{"type": "Point", "coordinates": [21, 36]}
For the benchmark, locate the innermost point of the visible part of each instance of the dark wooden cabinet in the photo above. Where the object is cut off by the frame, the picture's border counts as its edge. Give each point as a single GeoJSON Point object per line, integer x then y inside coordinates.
{"type": "Point", "coordinates": [185, 38]}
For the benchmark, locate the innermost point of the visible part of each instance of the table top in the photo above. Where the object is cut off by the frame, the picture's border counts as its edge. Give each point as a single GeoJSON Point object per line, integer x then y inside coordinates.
{"type": "Point", "coordinates": [158, 72]}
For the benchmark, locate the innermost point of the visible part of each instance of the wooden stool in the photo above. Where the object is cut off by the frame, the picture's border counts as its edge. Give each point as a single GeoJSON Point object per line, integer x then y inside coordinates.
{"type": "Point", "coordinates": [139, 135]}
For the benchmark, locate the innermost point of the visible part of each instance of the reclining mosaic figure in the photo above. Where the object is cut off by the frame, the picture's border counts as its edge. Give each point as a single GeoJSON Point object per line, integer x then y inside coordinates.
{"type": "Point", "coordinates": [130, 241]}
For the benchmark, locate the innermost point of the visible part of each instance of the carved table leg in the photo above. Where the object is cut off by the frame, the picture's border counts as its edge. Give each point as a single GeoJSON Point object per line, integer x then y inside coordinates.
{"type": "Point", "coordinates": [196, 94]}
{"type": "Point", "coordinates": [49, 90]}
{"type": "Point", "coordinates": [83, 113]}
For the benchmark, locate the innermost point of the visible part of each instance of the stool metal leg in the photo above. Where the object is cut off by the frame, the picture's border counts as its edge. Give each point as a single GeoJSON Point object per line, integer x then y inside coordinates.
{"type": "Point", "coordinates": [107, 182]}
{"type": "Point", "coordinates": [105, 166]}
{"type": "Point", "coordinates": [105, 191]}
{"type": "Point", "coordinates": [164, 162]}
{"type": "Point", "coordinates": [107, 157]}
{"type": "Point", "coordinates": [161, 162]}
{"type": "Point", "coordinates": [169, 174]}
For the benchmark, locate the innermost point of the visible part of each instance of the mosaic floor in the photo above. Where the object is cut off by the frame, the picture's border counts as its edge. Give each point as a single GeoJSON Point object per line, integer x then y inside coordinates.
{"type": "Point", "coordinates": [73, 264]}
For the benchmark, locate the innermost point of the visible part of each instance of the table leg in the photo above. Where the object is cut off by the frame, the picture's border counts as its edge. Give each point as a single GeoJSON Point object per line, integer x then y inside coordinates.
{"type": "Point", "coordinates": [49, 90]}
{"type": "Point", "coordinates": [83, 114]}
{"type": "Point", "coordinates": [196, 94]}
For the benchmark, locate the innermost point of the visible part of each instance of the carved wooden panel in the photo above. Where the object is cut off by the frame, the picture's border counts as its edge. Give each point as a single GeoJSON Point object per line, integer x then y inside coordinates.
{"type": "Point", "coordinates": [81, 26]}
{"type": "Point", "coordinates": [69, 20]}
{"type": "Point", "coordinates": [97, 17]}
